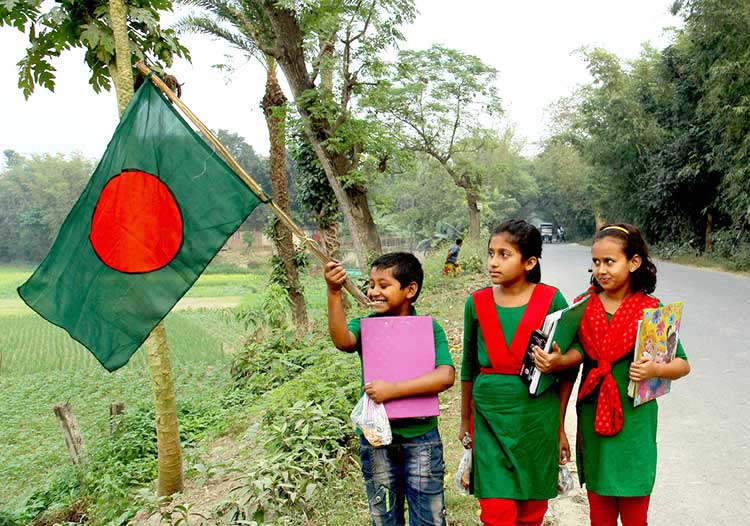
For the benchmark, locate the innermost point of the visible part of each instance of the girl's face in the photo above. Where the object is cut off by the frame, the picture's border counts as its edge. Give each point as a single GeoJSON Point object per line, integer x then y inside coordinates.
{"type": "Point", "coordinates": [505, 261]}
{"type": "Point", "coordinates": [610, 265]}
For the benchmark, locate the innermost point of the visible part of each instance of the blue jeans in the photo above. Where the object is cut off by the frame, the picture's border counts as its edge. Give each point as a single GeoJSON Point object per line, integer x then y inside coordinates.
{"type": "Point", "coordinates": [411, 470]}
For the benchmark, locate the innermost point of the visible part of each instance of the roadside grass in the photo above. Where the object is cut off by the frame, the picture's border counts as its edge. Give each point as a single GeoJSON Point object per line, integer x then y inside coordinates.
{"type": "Point", "coordinates": [201, 341]}
{"type": "Point", "coordinates": [33, 450]}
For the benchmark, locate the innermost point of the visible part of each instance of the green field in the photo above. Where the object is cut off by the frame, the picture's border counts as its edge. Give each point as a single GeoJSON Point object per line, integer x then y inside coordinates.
{"type": "Point", "coordinates": [40, 366]}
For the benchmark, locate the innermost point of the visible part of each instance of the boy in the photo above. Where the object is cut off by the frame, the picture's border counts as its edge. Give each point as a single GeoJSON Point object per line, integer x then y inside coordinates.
{"type": "Point", "coordinates": [411, 468]}
{"type": "Point", "coordinates": [451, 261]}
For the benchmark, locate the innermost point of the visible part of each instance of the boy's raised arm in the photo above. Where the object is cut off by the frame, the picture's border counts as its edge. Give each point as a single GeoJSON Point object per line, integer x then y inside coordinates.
{"type": "Point", "coordinates": [341, 336]}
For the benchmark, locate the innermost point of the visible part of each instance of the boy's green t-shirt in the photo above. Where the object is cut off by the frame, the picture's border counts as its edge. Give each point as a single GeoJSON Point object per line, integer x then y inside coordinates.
{"type": "Point", "coordinates": [411, 427]}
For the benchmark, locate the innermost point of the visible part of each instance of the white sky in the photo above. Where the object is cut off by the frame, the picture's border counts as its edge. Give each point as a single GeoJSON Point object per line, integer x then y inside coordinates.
{"type": "Point", "coordinates": [530, 42]}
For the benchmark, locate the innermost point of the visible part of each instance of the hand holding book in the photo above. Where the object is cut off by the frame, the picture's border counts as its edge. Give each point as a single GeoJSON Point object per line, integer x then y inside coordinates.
{"type": "Point", "coordinates": [644, 369]}
{"type": "Point", "coordinates": [548, 362]}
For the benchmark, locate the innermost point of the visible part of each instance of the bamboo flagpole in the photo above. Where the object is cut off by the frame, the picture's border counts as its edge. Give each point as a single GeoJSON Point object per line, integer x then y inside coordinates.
{"type": "Point", "coordinates": [312, 245]}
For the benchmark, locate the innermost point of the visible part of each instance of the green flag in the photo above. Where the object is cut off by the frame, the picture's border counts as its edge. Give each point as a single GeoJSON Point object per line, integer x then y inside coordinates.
{"type": "Point", "coordinates": [157, 209]}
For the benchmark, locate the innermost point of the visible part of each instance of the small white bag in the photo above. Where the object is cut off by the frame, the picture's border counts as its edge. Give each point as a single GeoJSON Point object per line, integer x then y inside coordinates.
{"type": "Point", "coordinates": [463, 475]}
{"type": "Point", "coordinates": [372, 419]}
{"type": "Point", "coordinates": [565, 481]}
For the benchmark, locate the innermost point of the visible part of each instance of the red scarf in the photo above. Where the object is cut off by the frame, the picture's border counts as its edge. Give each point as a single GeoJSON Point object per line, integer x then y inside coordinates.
{"type": "Point", "coordinates": [606, 342]}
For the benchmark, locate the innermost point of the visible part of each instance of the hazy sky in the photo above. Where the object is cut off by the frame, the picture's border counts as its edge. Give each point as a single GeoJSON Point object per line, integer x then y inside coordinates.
{"type": "Point", "coordinates": [531, 43]}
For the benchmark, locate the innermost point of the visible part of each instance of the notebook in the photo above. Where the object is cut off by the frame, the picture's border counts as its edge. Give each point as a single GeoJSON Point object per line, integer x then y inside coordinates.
{"type": "Point", "coordinates": [396, 348]}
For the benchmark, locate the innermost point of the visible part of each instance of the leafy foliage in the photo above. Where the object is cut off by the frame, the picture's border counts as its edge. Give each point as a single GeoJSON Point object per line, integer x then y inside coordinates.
{"type": "Point", "coordinates": [36, 193]}
{"type": "Point", "coordinates": [85, 24]}
{"type": "Point", "coordinates": [664, 138]}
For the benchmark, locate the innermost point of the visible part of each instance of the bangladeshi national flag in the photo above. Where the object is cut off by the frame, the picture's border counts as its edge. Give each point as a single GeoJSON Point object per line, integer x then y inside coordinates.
{"type": "Point", "coordinates": [157, 209]}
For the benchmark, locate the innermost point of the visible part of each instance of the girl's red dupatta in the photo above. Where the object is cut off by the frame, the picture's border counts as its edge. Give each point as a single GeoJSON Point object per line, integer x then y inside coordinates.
{"type": "Point", "coordinates": [606, 342]}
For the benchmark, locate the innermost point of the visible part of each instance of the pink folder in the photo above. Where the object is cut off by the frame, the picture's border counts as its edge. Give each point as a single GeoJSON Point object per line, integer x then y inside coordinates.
{"type": "Point", "coordinates": [396, 348]}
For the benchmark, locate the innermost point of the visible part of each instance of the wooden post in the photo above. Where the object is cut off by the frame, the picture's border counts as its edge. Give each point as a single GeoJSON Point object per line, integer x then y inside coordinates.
{"type": "Point", "coordinates": [71, 433]}
{"type": "Point", "coordinates": [116, 410]}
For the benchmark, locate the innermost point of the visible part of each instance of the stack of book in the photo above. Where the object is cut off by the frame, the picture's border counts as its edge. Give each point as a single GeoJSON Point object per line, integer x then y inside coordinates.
{"type": "Point", "coordinates": [561, 327]}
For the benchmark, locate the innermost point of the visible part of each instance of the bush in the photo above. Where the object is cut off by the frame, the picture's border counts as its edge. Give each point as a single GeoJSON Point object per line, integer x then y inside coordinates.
{"type": "Point", "coordinates": [304, 430]}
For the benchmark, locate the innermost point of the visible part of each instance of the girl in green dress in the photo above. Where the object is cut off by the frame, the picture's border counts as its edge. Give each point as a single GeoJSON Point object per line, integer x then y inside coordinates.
{"type": "Point", "coordinates": [616, 447]}
{"type": "Point", "coordinates": [516, 438]}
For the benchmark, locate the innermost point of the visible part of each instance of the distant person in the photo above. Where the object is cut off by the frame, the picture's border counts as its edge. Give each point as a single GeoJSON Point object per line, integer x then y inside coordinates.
{"type": "Point", "coordinates": [411, 468]}
{"type": "Point", "coordinates": [519, 440]}
{"type": "Point", "coordinates": [451, 261]}
{"type": "Point", "coordinates": [561, 234]}
{"type": "Point", "coordinates": [617, 445]}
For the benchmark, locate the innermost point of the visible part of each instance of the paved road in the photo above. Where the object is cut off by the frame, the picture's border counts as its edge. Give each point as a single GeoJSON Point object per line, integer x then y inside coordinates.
{"type": "Point", "coordinates": [703, 474]}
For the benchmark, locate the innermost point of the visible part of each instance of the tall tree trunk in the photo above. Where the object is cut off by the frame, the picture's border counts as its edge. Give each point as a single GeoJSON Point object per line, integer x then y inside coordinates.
{"type": "Point", "coordinates": [121, 68]}
{"type": "Point", "coordinates": [170, 479]}
{"type": "Point", "coordinates": [709, 247]}
{"type": "Point", "coordinates": [329, 228]}
{"type": "Point", "coordinates": [365, 225]}
{"type": "Point", "coordinates": [274, 108]}
{"type": "Point", "coordinates": [599, 221]}
{"type": "Point", "coordinates": [290, 53]}
{"type": "Point", "coordinates": [472, 201]}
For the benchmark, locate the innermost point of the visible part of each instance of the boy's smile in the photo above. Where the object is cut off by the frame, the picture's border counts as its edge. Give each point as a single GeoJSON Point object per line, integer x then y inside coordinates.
{"type": "Point", "coordinates": [386, 294]}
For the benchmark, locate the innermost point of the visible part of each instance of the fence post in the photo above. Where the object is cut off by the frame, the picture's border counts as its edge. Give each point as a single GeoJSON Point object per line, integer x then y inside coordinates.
{"type": "Point", "coordinates": [71, 433]}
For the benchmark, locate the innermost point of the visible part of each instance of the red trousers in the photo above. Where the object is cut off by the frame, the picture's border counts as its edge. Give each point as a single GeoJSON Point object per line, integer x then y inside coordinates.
{"type": "Point", "coordinates": [633, 511]}
{"type": "Point", "coordinates": [508, 512]}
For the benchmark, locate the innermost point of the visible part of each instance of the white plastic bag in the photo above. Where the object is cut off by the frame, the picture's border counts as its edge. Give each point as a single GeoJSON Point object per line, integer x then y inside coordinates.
{"type": "Point", "coordinates": [565, 481]}
{"type": "Point", "coordinates": [372, 419]}
{"type": "Point", "coordinates": [463, 475]}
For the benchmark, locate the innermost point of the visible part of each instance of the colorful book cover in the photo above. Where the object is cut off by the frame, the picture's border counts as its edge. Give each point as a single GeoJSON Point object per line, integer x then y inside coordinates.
{"type": "Point", "coordinates": [396, 348]}
{"type": "Point", "coordinates": [658, 334]}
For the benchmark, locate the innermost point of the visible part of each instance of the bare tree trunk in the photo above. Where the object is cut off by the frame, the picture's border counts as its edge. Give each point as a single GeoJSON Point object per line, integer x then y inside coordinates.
{"type": "Point", "coordinates": [472, 200]}
{"type": "Point", "coordinates": [360, 210]}
{"type": "Point", "coordinates": [170, 478]}
{"type": "Point", "coordinates": [167, 429]}
{"type": "Point", "coordinates": [274, 107]}
{"type": "Point", "coordinates": [709, 247]}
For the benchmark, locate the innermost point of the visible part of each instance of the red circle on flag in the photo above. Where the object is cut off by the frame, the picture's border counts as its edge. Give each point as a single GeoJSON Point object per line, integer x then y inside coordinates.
{"type": "Point", "coordinates": [137, 225]}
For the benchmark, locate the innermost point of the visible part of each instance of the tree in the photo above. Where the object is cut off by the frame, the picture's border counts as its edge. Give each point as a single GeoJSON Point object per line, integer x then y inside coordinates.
{"type": "Point", "coordinates": [36, 193]}
{"type": "Point", "coordinates": [110, 55]}
{"type": "Point", "coordinates": [564, 179]}
{"type": "Point", "coordinates": [226, 23]}
{"type": "Point", "coordinates": [299, 36]}
{"type": "Point", "coordinates": [54, 28]}
{"type": "Point", "coordinates": [715, 46]}
{"type": "Point", "coordinates": [439, 98]}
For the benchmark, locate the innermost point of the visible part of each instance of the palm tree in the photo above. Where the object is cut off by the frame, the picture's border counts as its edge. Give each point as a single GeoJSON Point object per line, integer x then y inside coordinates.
{"type": "Point", "coordinates": [237, 25]}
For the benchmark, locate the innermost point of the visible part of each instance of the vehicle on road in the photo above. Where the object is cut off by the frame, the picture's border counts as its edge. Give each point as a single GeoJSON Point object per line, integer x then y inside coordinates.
{"type": "Point", "coordinates": [548, 232]}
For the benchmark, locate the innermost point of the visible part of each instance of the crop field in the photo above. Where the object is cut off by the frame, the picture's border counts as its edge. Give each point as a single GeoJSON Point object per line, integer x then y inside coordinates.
{"type": "Point", "coordinates": [40, 366]}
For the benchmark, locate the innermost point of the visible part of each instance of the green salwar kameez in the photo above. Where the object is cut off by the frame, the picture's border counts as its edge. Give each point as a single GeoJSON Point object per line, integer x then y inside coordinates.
{"type": "Point", "coordinates": [516, 445]}
{"type": "Point", "coordinates": [623, 465]}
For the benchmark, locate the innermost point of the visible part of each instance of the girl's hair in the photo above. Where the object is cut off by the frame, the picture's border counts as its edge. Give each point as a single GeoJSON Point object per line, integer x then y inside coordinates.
{"type": "Point", "coordinates": [529, 242]}
{"type": "Point", "coordinates": [644, 278]}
